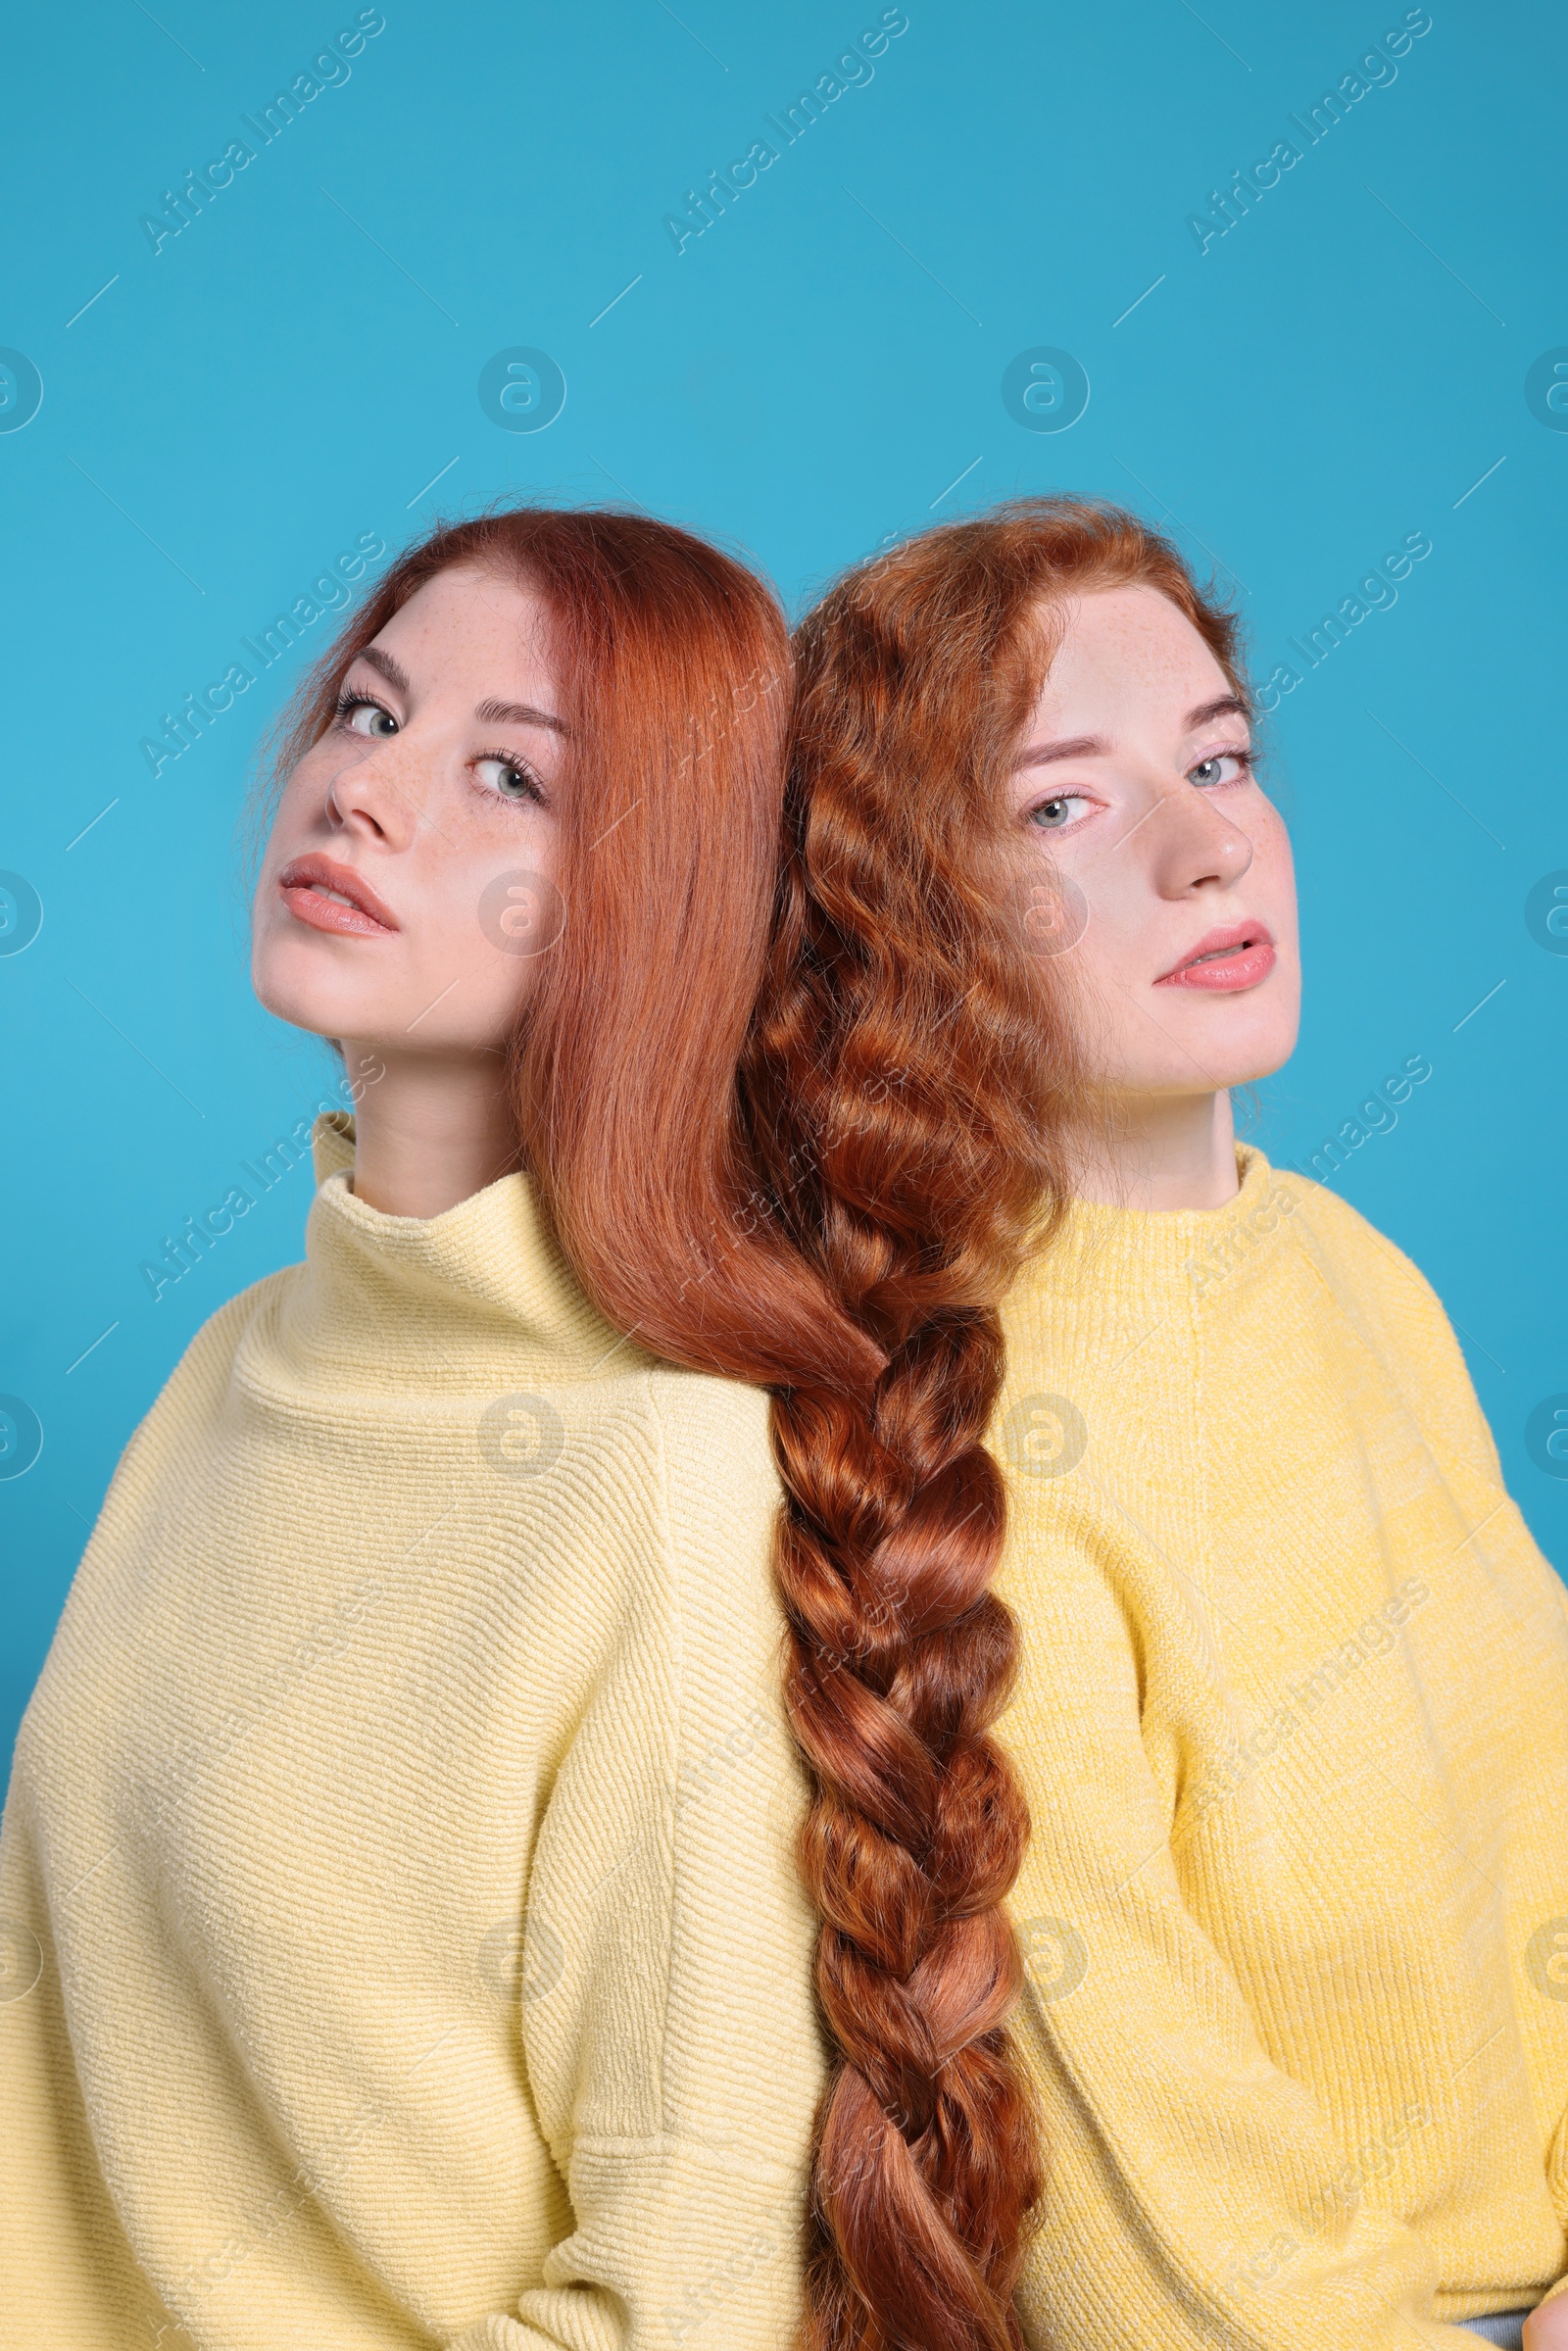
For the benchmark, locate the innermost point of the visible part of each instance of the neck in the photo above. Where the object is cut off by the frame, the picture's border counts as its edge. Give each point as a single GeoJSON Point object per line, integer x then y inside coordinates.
{"type": "Point", "coordinates": [430, 1129]}
{"type": "Point", "coordinates": [1159, 1151]}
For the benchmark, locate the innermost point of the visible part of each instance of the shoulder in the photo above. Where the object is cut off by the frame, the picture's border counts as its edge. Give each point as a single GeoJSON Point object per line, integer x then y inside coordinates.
{"type": "Point", "coordinates": [705, 1577]}
{"type": "Point", "coordinates": [1353, 1253]}
{"type": "Point", "coordinates": [668, 1582]}
{"type": "Point", "coordinates": [220, 1336]}
{"type": "Point", "coordinates": [719, 1486]}
{"type": "Point", "coordinates": [715, 1425]}
{"type": "Point", "coordinates": [1384, 1299]}
{"type": "Point", "coordinates": [705, 1439]}
{"type": "Point", "coordinates": [195, 1389]}
{"type": "Point", "coordinates": [653, 1489]}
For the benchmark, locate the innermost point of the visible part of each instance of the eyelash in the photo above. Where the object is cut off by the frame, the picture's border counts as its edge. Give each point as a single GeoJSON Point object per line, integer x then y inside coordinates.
{"type": "Point", "coordinates": [1247, 758]}
{"type": "Point", "coordinates": [347, 701]}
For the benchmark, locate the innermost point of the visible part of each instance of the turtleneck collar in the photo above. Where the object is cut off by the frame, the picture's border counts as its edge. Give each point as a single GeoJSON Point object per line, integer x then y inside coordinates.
{"type": "Point", "coordinates": [471, 1301]}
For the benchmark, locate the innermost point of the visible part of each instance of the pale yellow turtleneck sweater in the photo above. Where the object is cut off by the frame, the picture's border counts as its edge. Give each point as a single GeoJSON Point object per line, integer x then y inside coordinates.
{"type": "Point", "coordinates": [1293, 1721]}
{"type": "Point", "coordinates": [371, 1660]}
{"type": "Point", "coordinates": [400, 1941]}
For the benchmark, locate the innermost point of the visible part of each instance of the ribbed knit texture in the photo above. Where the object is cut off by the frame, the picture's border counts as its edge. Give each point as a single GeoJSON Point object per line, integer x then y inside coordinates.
{"type": "Point", "coordinates": [401, 1838]}
{"type": "Point", "coordinates": [1293, 1723]}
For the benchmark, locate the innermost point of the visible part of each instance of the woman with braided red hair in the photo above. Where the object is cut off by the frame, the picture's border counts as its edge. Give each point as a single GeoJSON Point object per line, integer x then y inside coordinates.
{"type": "Point", "coordinates": [1215, 2008]}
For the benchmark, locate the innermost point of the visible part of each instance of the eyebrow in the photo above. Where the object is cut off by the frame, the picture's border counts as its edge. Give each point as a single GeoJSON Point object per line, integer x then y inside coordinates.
{"type": "Point", "coordinates": [393, 672]}
{"type": "Point", "coordinates": [489, 713]}
{"type": "Point", "coordinates": [517, 713]}
{"type": "Point", "coordinates": [1083, 747]}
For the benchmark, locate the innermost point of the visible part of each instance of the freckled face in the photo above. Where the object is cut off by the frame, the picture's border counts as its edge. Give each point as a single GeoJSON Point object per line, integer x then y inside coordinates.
{"type": "Point", "coordinates": [1163, 868]}
{"type": "Point", "coordinates": [384, 912]}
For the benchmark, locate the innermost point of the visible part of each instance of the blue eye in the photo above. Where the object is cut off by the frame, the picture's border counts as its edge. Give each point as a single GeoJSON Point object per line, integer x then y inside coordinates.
{"type": "Point", "coordinates": [363, 716]}
{"type": "Point", "coordinates": [1208, 771]}
{"type": "Point", "coordinates": [1054, 816]}
{"type": "Point", "coordinates": [506, 779]}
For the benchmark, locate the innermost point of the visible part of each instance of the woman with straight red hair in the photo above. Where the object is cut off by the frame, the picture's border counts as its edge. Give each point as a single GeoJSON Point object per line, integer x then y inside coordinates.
{"type": "Point", "coordinates": [1220, 2006]}
{"type": "Point", "coordinates": [400, 1941]}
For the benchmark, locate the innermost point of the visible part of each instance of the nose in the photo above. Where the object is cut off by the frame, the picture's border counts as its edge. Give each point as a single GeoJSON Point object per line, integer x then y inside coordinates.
{"type": "Point", "coordinates": [373, 796]}
{"type": "Point", "coordinates": [1193, 845]}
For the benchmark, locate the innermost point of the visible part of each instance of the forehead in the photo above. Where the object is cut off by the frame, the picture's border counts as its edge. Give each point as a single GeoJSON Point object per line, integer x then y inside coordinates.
{"type": "Point", "coordinates": [470, 616]}
{"type": "Point", "coordinates": [1129, 651]}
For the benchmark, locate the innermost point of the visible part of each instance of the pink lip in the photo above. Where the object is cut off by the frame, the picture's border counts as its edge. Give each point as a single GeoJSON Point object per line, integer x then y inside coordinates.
{"type": "Point", "coordinates": [1225, 960]}
{"type": "Point", "coordinates": [303, 881]}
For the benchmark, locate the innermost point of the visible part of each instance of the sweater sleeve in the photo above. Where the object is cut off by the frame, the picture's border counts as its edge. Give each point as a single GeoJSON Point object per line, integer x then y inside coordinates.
{"type": "Point", "coordinates": [1195, 2196]}
{"type": "Point", "coordinates": [665, 1972]}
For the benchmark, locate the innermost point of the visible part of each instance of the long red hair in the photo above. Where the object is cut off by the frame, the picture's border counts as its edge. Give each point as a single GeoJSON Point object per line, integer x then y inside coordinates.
{"type": "Point", "coordinates": [910, 1082]}
{"type": "Point", "coordinates": [830, 1205]}
{"type": "Point", "coordinates": [673, 667]}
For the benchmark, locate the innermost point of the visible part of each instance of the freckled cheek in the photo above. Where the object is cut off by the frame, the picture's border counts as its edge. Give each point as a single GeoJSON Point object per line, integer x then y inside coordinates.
{"type": "Point", "coordinates": [1120, 908]}
{"type": "Point", "coordinates": [1274, 869]}
{"type": "Point", "coordinates": [299, 801]}
{"type": "Point", "coordinates": [1110, 961]}
{"type": "Point", "coordinates": [448, 902]}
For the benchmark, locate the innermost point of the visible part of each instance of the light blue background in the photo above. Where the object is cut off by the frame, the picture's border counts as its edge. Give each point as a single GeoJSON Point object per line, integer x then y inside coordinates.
{"type": "Point", "coordinates": [810, 376]}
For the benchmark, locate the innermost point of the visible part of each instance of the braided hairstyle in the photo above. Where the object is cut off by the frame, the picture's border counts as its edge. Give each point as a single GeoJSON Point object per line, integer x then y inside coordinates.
{"type": "Point", "coordinates": [910, 1084]}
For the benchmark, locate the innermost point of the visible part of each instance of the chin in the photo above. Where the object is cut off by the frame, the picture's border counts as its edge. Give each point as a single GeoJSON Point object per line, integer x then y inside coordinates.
{"type": "Point", "coordinates": [1226, 1062]}
{"type": "Point", "coordinates": [1251, 1066]}
{"type": "Point", "coordinates": [1253, 1034]}
{"type": "Point", "coordinates": [285, 985]}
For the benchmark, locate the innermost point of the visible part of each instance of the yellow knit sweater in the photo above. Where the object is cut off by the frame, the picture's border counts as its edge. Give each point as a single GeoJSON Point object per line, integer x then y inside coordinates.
{"type": "Point", "coordinates": [1292, 1720]}
{"type": "Point", "coordinates": [400, 1941]}
{"type": "Point", "coordinates": [401, 1835]}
